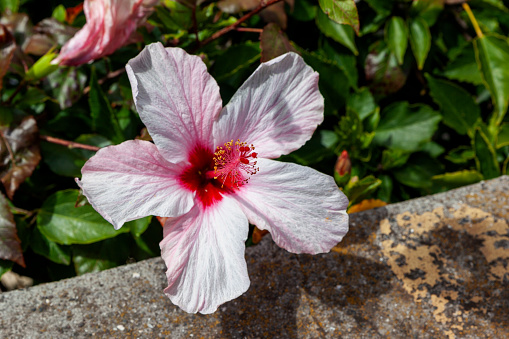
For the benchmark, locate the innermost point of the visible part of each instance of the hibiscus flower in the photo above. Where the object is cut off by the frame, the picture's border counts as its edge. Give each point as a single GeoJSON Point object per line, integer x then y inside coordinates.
{"type": "Point", "coordinates": [209, 171]}
{"type": "Point", "coordinates": [109, 26]}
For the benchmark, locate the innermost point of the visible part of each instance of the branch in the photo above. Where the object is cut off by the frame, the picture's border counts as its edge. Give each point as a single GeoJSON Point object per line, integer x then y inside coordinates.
{"type": "Point", "coordinates": [70, 144]}
{"type": "Point", "coordinates": [263, 5]}
{"type": "Point", "coordinates": [477, 29]}
{"type": "Point", "coordinates": [251, 30]}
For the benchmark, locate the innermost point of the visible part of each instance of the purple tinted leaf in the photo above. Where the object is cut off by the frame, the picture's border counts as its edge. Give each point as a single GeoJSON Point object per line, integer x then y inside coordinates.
{"type": "Point", "coordinates": [383, 73]}
{"type": "Point", "coordinates": [19, 154]}
{"type": "Point", "coordinates": [10, 245]}
{"type": "Point", "coordinates": [274, 42]}
{"type": "Point", "coordinates": [7, 47]}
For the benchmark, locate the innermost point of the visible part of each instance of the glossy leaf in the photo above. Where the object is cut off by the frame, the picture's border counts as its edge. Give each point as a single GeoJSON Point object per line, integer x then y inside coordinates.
{"type": "Point", "coordinates": [362, 102]}
{"type": "Point", "coordinates": [406, 127]}
{"type": "Point", "coordinates": [10, 245]}
{"type": "Point", "coordinates": [343, 59]}
{"type": "Point", "coordinates": [492, 53]}
{"type": "Point", "coordinates": [485, 156]}
{"type": "Point", "coordinates": [503, 136]}
{"type": "Point", "coordinates": [104, 120]}
{"type": "Point", "coordinates": [461, 155]}
{"type": "Point", "coordinates": [464, 67]}
{"type": "Point", "coordinates": [396, 36]}
{"type": "Point", "coordinates": [274, 42]}
{"type": "Point", "coordinates": [19, 154]}
{"type": "Point", "coordinates": [358, 190]}
{"type": "Point", "coordinates": [101, 255]}
{"type": "Point", "coordinates": [420, 40]}
{"type": "Point", "coordinates": [429, 10]}
{"type": "Point", "coordinates": [418, 171]}
{"type": "Point", "coordinates": [343, 34]}
{"type": "Point", "coordinates": [41, 245]}
{"type": "Point", "coordinates": [342, 12]}
{"type": "Point", "coordinates": [67, 85]}
{"type": "Point", "coordinates": [458, 108]}
{"type": "Point", "coordinates": [457, 179]}
{"type": "Point", "coordinates": [65, 224]}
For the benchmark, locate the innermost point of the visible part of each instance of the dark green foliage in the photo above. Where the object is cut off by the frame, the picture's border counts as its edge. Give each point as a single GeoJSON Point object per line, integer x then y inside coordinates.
{"type": "Point", "coordinates": [415, 93]}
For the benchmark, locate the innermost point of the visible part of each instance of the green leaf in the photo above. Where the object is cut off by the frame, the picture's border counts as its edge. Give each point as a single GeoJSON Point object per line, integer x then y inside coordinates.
{"type": "Point", "coordinates": [67, 85]}
{"type": "Point", "coordinates": [41, 245]}
{"type": "Point", "coordinates": [5, 266]}
{"type": "Point", "coordinates": [461, 155]}
{"type": "Point", "coordinates": [433, 149]}
{"type": "Point", "coordinates": [12, 5]}
{"type": "Point", "coordinates": [304, 10]}
{"type": "Point", "coordinates": [396, 36]}
{"type": "Point", "coordinates": [492, 53]}
{"type": "Point", "coordinates": [345, 61]}
{"type": "Point", "coordinates": [394, 158]}
{"type": "Point", "coordinates": [485, 156]}
{"type": "Point", "coordinates": [313, 151]}
{"type": "Point", "coordinates": [104, 120]}
{"type": "Point", "coordinates": [457, 179]}
{"type": "Point", "coordinates": [100, 256]}
{"type": "Point", "coordinates": [418, 171]}
{"type": "Point", "coordinates": [59, 13]}
{"type": "Point", "coordinates": [464, 67]}
{"type": "Point", "coordinates": [233, 65]}
{"type": "Point", "coordinates": [343, 34]}
{"type": "Point", "coordinates": [420, 40]}
{"type": "Point", "coordinates": [429, 10]}
{"type": "Point", "coordinates": [139, 226]}
{"type": "Point", "coordinates": [358, 190]}
{"type": "Point", "coordinates": [503, 136]}
{"type": "Point", "coordinates": [406, 127]}
{"type": "Point", "coordinates": [362, 102]}
{"type": "Point", "coordinates": [342, 12]}
{"type": "Point", "coordinates": [65, 224]}
{"type": "Point", "coordinates": [458, 107]}
{"type": "Point", "coordinates": [333, 82]}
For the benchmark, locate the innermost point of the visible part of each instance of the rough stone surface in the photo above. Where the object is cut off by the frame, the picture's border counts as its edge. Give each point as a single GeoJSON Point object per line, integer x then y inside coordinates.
{"type": "Point", "coordinates": [428, 268]}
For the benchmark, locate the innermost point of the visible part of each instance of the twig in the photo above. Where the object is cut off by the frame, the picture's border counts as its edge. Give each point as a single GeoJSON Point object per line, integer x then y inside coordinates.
{"type": "Point", "coordinates": [110, 75]}
{"type": "Point", "coordinates": [237, 23]}
{"type": "Point", "coordinates": [247, 29]}
{"type": "Point", "coordinates": [70, 144]}
{"type": "Point", "coordinates": [9, 149]}
{"type": "Point", "coordinates": [471, 16]}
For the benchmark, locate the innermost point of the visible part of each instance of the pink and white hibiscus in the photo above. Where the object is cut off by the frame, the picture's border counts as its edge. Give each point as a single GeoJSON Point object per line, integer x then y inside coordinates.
{"type": "Point", "coordinates": [109, 26]}
{"type": "Point", "coordinates": [209, 170]}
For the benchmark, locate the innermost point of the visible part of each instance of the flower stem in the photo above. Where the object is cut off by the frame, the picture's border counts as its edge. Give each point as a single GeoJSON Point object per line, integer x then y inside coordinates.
{"type": "Point", "coordinates": [263, 4]}
{"type": "Point", "coordinates": [70, 144]}
{"type": "Point", "coordinates": [471, 16]}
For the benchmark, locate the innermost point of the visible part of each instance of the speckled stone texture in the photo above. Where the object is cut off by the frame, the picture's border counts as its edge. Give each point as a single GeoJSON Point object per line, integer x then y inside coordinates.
{"type": "Point", "coordinates": [434, 267]}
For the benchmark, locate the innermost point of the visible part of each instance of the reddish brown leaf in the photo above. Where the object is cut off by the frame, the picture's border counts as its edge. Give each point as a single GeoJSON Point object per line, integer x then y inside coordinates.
{"type": "Point", "coordinates": [383, 73]}
{"type": "Point", "coordinates": [10, 245]}
{"type": "Point", "coordinates": [276, 14]}
{"type": "Point", "coordinates": [72, 13]}
{"type": "Point", "coordinates": [7, 47]}
{"type": "Point", "coordinates": [258, 235]}
{"type": "Point", "coordinates": [19, 154]}
{"type": "Point", "coordinates": [274, 42]}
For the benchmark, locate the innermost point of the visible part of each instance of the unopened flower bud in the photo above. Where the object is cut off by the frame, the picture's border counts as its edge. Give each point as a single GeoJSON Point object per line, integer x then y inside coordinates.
{"type": "Point", "coordinates": [343, 164]}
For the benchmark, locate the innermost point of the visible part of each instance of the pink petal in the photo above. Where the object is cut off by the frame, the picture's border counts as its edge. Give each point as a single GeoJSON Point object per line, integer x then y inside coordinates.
{"type": "Point", "coordinates": [277, 109]}
{"type": "Point", "coordinates": [109, 25]}
{"type": "Point", "coordinates": [132, 180]}
{"type": "Point", "coordinates": [303, 209]}
{"type": "Point", "coordinates": [176, 98]}
{"type": "Point", "coordinates": [204, 253]}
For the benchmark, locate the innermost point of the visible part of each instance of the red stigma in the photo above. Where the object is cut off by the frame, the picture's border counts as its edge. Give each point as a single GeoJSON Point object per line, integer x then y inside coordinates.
{"type": "Point", "coordinates": [212, 175]}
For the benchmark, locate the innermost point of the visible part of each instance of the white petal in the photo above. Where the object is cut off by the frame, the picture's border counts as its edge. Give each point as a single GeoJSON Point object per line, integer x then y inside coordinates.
{"type": "Point", "coordinates": [176, 98]}
{"type": "Point", "coordinates": [132, 180]}
{"type": "Point", "coordinates": [204, 252]}
{"type": "Point", "coordinates": [303, 209]}
{"type": "Point", "coordinates": [277, 109]}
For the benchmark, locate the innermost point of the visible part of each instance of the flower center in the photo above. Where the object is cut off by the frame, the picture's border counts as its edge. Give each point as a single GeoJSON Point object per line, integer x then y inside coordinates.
{"type": "Point", "coordinates": [211, 175]}
{"type": "Point", "coordinates": [235, 163]}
